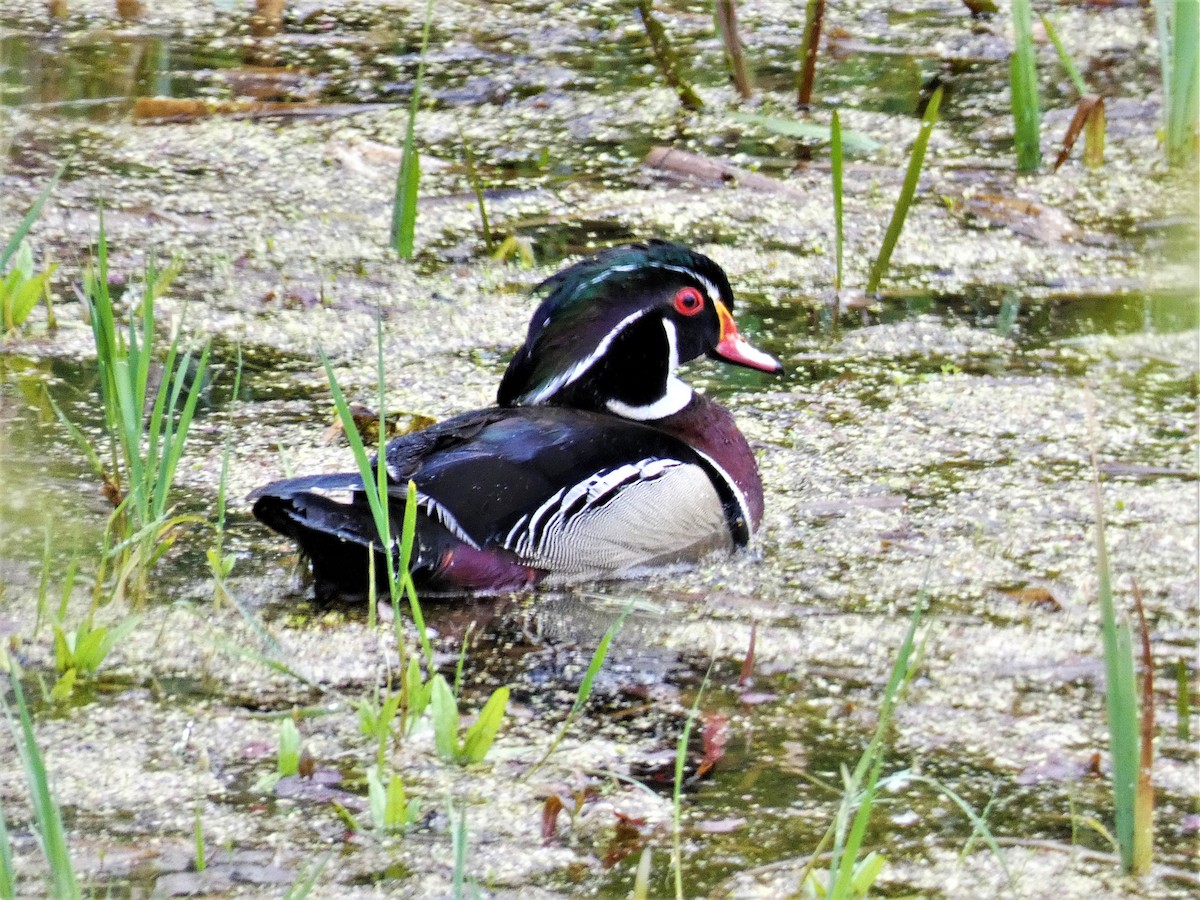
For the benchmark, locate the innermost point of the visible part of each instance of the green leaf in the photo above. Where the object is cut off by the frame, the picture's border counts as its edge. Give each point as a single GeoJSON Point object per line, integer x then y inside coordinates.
{"type": "Point", "coordinates": [482, 733]}
{"type": "Point", "coordinates": [8, 878]}
{"type": "Point", "coordinates": [909, 189]}
{"type": "Point", "coordinates": [288, 760]}
{"type": "Point", "coordinates": [63, 687]}
{"type": "Point", "coordinates": [388, 805]}
{"type": "Point", "coordinates": [25, 298]}
{"type": "Point", "coordinates": [852, 141]}
{"type": "Point", "coordinates": [30, 217]}
{"type": "Point", "coordinates": [444, 709]}
{"type": "Point", "coordinates": [1023, 80]}
{"type": "Point", "coordinates": [419, 692]}
{"type": "Point", "coordinates": [62, 650]}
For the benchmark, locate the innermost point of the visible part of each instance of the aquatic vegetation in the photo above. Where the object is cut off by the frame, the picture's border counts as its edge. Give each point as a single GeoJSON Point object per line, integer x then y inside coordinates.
{"type": "Point", "coordinates": [375, 488]}
{"type": "Point", "coordinates": [681, 746]}
{"type": "Point", "coordinates": [1089, 116]}
{"type": "Point", "coordinates": [199, 859]}
{"type": "Point", "coordinates": [1023, 85]}
{"type": "Point", "coordinates": [480, 735]}
{"type": "Point", "coordinates": [1179, 51]}
{"type": "Point", "coordinates": [376, 712]}
{"type": "Point", "coordinates": [735, 56]}
{"type": "Point", "coordinates": [404, 205]}
{"type": "Point", "coordinates": [83, 651]}
{"type": "Point", "coordinates": [585, 685]}
{"type": "Point", "coordinates": [21, 289]}
{"type": "Point", "coordinates": [144, 450]}
{"type": "Point", "coordinates": [391, 809]}
{"type": "Point", "coordinates": [836, 169]}
{"type": "Point", "coordinates": [1183, 702]}
{"type": "Point", "coordinates": [847, 873]}
{"type": "Point", "coordinates": [220, 564]}
{"type": "Point", "coordinates": [287, 754]}
{"type": "Point", "coordinates": [1133, 802]}
{"type": "Point", "coordinates": [666, 58]}
{"type": "Point", "coordinates": [814, 15]}
{"type": "Point", "coordinates": [907, 192]}
{"type": "Point", "coordinates": [519, 246]}
{"type": "Point", "coordinates": [477, 189]}
{"type": "Point", "coordinates": [8, 875]}
{"type": "Point", "coordinates": [22, 230]}
{"type": "Point", "coordinates": [52, 837]}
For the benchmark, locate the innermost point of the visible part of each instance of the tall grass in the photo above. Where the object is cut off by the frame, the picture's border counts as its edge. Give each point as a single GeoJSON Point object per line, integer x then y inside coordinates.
{"type": "Point", "coordinates": [35, 210]}
{"type": "Point", "coordinates": [52, 837]}
{"type": "Point", "coordinates": [397, 550]}
{"type": "Point", "coordinates": [861, 786]}
{"type": "Point", "coordinates": [404, 205]}
{"type": "Point", "coordinates": [1023, 86]}
{"type": "Point", "coordinates": [837, 166]}
{"type": "Point", "coordinates": [1179, 49]}
{"type": "Point", "coordinates": [1133, 818]}
{"type": "Point", "coordinates": [677, 791]}
{"type": "Point", "coordinates": [911, 177]}
{"type": "Point", "coordinates": [144, 448]}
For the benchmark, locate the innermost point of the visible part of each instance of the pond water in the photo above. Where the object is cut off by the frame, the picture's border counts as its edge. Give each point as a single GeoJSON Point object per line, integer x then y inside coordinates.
{"type": "Point", "coordinates": [935, 441]}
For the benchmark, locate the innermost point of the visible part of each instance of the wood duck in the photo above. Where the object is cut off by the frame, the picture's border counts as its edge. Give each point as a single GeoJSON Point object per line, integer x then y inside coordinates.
{"type": "Point", "coordinates": [597, 461]}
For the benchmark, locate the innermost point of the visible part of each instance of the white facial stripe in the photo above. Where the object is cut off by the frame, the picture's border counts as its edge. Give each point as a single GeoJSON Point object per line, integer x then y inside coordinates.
{"type": "Point", "coordinates": [578, 369]}
{"type": "Point", "coordinates": [713, 293]}
{"type": "Point", "coordinates": [572, 374]}
{"type": "Point", "coordinates": [672, 346]}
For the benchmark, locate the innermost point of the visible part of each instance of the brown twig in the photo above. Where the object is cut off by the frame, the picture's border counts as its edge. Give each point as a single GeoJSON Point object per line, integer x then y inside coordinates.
{"type": "Point", "coordinates": [808, 54]}
{"type": "Point", "coordinates": [726, 15]}
{"type": "Point", "coordinates": [665, 57]}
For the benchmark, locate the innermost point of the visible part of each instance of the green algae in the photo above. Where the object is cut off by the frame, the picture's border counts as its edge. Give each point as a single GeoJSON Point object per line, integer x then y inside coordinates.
{"type": "Point", "coordinates": [916, 444]}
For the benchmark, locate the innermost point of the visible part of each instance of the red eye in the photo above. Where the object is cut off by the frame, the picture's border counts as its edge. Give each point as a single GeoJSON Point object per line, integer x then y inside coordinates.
{"type": "Point", "coordinates": [688, 301]}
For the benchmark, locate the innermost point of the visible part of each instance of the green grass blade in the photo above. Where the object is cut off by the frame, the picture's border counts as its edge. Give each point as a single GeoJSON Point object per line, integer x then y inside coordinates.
{"type": "Point", "coordinates": [977, 822]}
{"type": "Point", "coordinates": [1023, 87]}
{"type": "Point", "coordinates": [30, 217]}
{"type": "Point", "coordinates": [677, 792]}
{"type": "Point", "coordinates": [911, 177]}
{"type": "Point", "coordinates": [836, 163]}
{"type": "Point", "coordinates": [1183, 702]}
{"type": "Point", "coordinates": [53, 837]}
{"type": "Point", "coordinates": [1064, 57]}
{"type": "Point", "coordinates": [8, 877]}
{"type": "Point", "coordinates": [1120, 691]}
{"type": "Point", "coordinates": [1184, 64]}
{"type": "Point", "coordinates": [585, 686]}
{"type": "Point", "coordinates": [404, 207]}
{"type": "Point", "coordinates": [868, 769]}
{"type": "Point", "coordinates": [458, 838]}
{"type": "Point", "coordinates": [303, 885]}
{"type": "Point", "coordinates": [356, 446]}
{"type": "Point", "coordinates": [477, 189]}
{"type": "Point", "coordinates": [175, 450]}
{"type": "Point", "coordinates": [482, 734]}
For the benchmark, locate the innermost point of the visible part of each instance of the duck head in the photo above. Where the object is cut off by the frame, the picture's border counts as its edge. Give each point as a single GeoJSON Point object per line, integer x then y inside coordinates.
{"type": "Point", "coordinates": [613, 329]}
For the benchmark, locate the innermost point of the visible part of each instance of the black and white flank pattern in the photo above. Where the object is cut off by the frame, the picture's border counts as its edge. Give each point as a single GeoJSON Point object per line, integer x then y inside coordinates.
{"type": "Point", "coordinates": [604, 523]}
